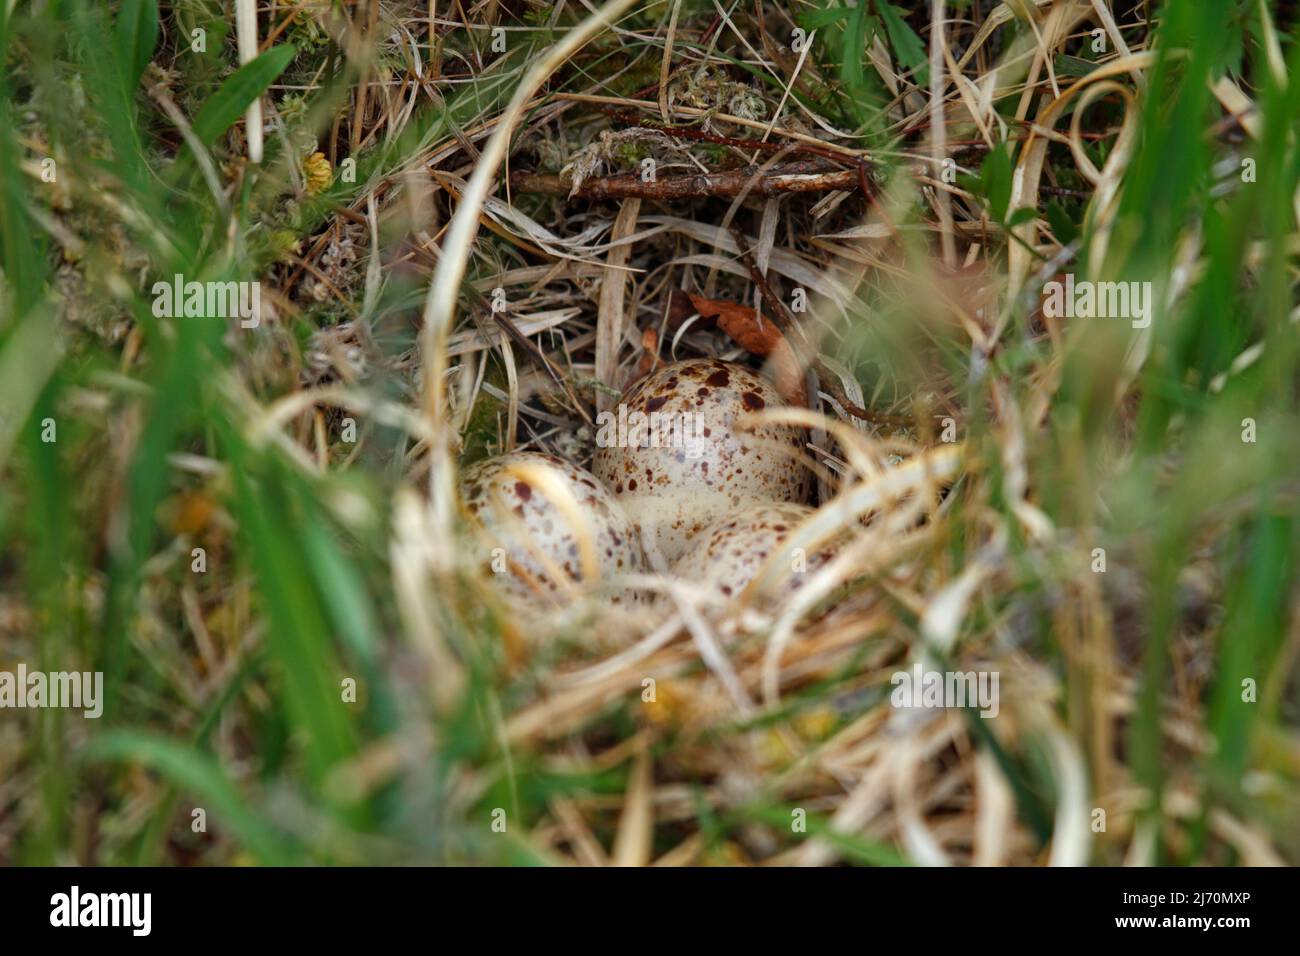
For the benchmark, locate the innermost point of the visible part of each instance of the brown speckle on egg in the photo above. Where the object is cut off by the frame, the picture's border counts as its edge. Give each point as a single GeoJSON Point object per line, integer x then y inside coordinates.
{"type": "Point", "coordinates": [706, 470]}
{"type": "Point", "coordinates": [491, 493]}
{"type": "Point", "coordinates": [729, 554]}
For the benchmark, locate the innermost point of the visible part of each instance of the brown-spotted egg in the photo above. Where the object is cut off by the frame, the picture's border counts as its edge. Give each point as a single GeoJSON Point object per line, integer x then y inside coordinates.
{"type": "Point", "coordinates": [673, 457]}
{"type": "Point", "coordinates": [530, 508]}
{"type": "Point", "coordinates": [726, 556]}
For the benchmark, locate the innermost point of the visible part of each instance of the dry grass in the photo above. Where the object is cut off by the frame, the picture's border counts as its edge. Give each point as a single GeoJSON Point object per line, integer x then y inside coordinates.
{"type": "Point", "coordinates": [888, 191]}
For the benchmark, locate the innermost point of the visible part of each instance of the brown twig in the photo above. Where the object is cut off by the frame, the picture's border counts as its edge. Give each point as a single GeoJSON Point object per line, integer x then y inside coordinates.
{"type": "Point", "coordinates": [791, 178]}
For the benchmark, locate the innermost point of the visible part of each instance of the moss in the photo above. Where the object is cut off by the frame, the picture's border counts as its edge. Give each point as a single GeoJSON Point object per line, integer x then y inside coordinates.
{"type": "Point", "coordinates": [487, 421]}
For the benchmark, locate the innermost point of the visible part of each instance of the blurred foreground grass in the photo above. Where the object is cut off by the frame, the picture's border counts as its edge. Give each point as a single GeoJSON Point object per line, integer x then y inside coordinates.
{"type": "Point", "coordinates": [1175, 448]}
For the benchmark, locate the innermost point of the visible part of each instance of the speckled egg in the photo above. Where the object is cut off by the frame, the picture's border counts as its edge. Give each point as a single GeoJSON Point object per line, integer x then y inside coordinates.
{"type": "Point", "coordinates": [729, 554]}
{"type": "Point", "coordinates": [520, 524]}
{"type": "Point", "coordinates": [673, 457]}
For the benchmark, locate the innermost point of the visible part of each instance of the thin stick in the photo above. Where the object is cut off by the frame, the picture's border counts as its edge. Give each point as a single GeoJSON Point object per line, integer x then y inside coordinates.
{"type": "Point", "coordinates": [791, 178]}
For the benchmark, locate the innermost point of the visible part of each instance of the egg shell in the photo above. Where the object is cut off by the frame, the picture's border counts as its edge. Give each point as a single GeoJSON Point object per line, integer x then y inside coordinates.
{"type": "Point", "coordinates": [491, 496]}
{"type": "Point", "coordinates": [729, 554]}
{"type": "Point", "coordinates": [710, 469]}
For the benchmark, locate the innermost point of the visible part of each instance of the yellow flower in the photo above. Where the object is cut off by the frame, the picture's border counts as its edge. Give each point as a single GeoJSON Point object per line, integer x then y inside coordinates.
{"type": "Point", "coordinates": [668, 707]}
{"type": "Point", "coordinates": [316, 170]}
{"type": "Point", "coordinates": [815, 724]}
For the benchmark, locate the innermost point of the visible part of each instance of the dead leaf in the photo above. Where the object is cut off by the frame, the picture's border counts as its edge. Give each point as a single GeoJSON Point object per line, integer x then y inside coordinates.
{"type": "Point", "coordinates": [649, 354]}
{"type": "Point", "coordinates": [680, 309]}
{"type": "Point", "coordinates": [748, 329]}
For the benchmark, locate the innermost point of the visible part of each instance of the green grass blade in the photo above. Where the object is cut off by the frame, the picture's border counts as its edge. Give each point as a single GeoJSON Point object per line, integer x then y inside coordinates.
{"type": "Point", "coordinates": [246, 84]}
{"type": "Point", "coordinates": [200, 775]}
{"type": "Point", "coordinates": [137, 35]}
